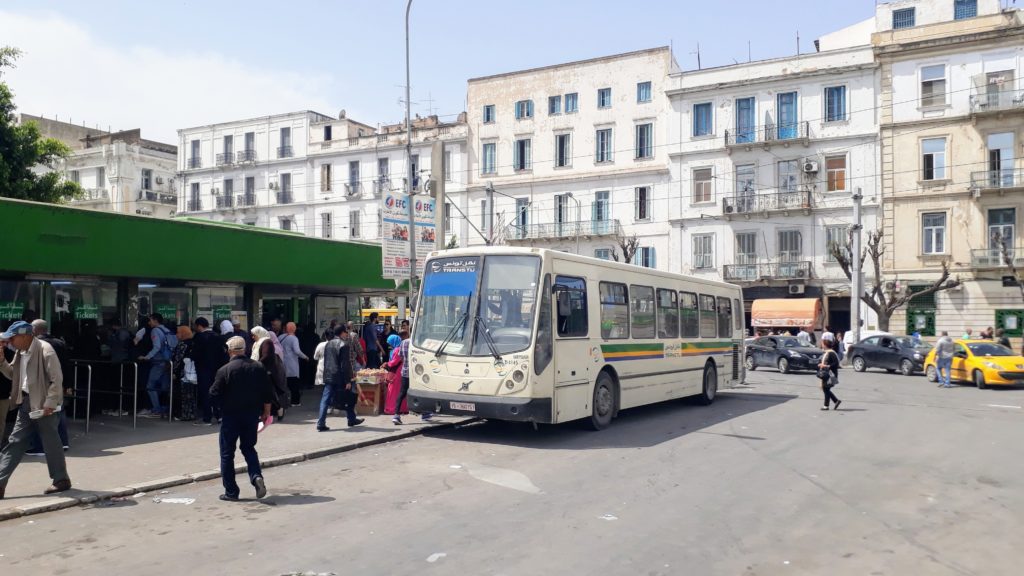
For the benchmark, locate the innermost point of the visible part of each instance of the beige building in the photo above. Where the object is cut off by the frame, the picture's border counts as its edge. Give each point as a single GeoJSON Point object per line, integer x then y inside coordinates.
{"type": "Point", "coordinates": [952, 122]}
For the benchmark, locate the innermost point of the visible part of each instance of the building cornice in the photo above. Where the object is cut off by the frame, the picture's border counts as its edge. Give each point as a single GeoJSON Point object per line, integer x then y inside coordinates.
{"type": "Point", "coordinates": [757, 81]}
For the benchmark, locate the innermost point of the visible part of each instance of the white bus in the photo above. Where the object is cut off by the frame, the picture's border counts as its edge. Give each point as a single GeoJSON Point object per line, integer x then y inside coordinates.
{"type": "Point", "coordinates": [534, 335]}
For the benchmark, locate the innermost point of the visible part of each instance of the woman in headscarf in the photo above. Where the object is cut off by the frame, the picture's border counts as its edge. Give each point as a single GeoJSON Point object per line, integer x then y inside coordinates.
{"type": "Point", "coordinates": [227, 330]}
{"type": "Point", "coordinates": [394, 367]}
{"type": "Point", "coordinates": [292, 353]}
{"type": "Point", "coordinates": [185, 373]}
{"type": "Point", "coordinates": [263, 352]}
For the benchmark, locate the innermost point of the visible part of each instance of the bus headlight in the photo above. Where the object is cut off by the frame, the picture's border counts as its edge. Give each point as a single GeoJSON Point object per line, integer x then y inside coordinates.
{"type": "Point", "coordinates": [419, 370]}
{"type": "Point", "coordinates": [426, 378]}
{"type": "Point", "coordinates": [509, 384]}
{"type": "Point", "coordinates": [518, 376]}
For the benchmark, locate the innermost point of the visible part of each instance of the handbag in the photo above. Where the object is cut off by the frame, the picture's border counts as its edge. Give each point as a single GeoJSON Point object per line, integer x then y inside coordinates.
{"type": "Point", "coordinates": [827, 375]}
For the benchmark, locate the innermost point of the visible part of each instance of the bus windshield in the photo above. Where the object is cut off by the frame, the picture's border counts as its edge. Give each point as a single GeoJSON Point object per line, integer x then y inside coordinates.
{"type": "Point", "coordinates": [464, 296]}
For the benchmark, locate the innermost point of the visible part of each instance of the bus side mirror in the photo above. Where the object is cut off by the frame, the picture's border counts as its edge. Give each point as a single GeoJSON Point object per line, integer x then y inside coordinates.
{"type": "Point", "coordinates": [564, 308]}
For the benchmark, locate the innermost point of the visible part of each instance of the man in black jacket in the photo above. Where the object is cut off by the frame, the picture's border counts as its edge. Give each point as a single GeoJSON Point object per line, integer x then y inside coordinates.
{"type": "Point", "coordinates": [244, 394]}
{"type": "Point", "coordinates": [208, 355]}
{"type": "Point", "coordinates": [339, 380]}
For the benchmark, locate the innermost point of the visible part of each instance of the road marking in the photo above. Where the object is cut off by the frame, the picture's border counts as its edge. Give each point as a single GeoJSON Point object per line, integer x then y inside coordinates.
{"type": "Point", "coordinates": [1001, 406]}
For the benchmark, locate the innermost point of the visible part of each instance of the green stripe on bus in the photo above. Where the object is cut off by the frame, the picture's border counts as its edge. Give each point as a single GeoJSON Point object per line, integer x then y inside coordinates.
{"type": "Point", "coordinates": [702, 345]}
{"type": "Point", "coordinates": [633, 347]}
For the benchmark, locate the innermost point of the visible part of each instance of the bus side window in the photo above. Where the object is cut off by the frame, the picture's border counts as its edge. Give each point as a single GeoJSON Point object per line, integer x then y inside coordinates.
{"type": "Point", "coordinates": [614, 311]}
{"type": "Point", "coordinates": [641, 306]}
{"type": "Point", "coordinates": [688, 312]}
{"type": "Point", "coordinates": [708, 317]}
{"type": "Point", "coordinates": [668, 314]}
{"type": "Point", "coordinates": [571, 302]}
{"type": "Point", "coordinates": [724, 318]}
{"type": "Point", "coordinates": [737, 314]}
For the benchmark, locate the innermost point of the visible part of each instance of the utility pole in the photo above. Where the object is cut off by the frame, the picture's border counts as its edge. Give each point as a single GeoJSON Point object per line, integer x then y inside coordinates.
{"type": "Point", "coordinates": [438, 176]}
{"type": "Point", "coordinates": [408, 166]}
{"type": "Point", "coordinates": [857, 287]}
{"type": "Point", "coordinates": [490, 214]}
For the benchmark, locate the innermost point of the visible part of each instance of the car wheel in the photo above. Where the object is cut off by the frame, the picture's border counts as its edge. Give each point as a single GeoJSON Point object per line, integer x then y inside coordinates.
{"type": "Point", "coordinates": [783, 365]}
{"type": "Point", "coordinates": [859, 365]}
{"type": "Point", "coordinates": [907, 367]}
{"type": "Point", "coordinates": [749, 363]}
{"type": "Point", "coordinates": [931, 373]}
{"type": "Point", "coordinates": [710, 389]}
{"type": "Point", "coordinates": [603, 404]}
{"type": "Point", "coordinates": [979, 380]}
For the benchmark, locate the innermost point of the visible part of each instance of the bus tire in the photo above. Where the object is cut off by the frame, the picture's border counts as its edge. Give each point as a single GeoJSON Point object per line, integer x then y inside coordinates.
{"type": "Point", "coordinates": [710, 387]}
{"type": "Point", "coordinates": [602, 406]}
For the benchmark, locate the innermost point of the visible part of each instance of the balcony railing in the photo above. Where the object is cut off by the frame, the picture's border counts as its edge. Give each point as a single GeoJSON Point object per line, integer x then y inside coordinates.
{"type": "Point", "coordinates": [993, 258]}
{"type": "Point", "coordinates": [284, 152]}
{"type": "Point", "coordinates": [225, 201]}
{"type": "Point", "coordinates": [768, 134]}
{"type": "Point", "coordinates": [997, 179]}
{"type": "Point", "coordinates": [381, 186]}
{"type": "Point", "coordinates": [159, 197]}
{"type": "Point", "coordinates": [353, 188]}
{"type": "Point", "coordinates": [245, 200]}
{"type": "Point", "coordinates": [90, 194]}
{"type": "Point", "coordinates": [768, 202]}
{"type": "Point", "coordinates": [795, 270]}
{"type": "Point", "coordinates": [194, 163]}
{"type": "Point", "coordinates": [284, 197]}
{"type": "Point", "coordinates": [563, 230]}
{"type": "Point", "coordinates": [194, 205]}
{"type": "Point", "coordinates": [225, 158]}
{"type": "Point", "coordinates": [997, 100]}
{"type": "Point", "coordinates": [246, 156]}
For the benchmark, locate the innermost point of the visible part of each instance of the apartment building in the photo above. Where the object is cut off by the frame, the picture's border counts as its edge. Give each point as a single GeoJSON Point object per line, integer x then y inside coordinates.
{"type": "Point", "coordinates": [952, 124]}
{"type": "Point", "coordinates": [576, 154]}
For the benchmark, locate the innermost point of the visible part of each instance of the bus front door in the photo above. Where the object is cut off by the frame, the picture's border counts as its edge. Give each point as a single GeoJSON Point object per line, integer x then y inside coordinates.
{"type": "Point", "coordinates": [574, 359]}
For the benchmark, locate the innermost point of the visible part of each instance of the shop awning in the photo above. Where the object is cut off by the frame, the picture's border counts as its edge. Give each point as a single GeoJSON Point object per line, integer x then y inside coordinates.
{"type": "Point", "coordinates": [794, 312]}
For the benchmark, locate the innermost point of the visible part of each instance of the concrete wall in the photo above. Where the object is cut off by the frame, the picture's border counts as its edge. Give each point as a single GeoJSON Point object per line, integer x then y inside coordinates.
{"type": "Point", "coordinates": [927, 11]}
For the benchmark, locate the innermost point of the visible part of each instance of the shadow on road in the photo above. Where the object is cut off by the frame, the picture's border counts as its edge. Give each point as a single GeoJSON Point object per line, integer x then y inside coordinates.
{"type": "Point", "coordinates": [634, 428]}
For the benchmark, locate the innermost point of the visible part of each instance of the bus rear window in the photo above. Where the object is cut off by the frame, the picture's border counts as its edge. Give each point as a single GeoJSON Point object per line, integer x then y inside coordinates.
{"type": "Point", "coordinates": [668, 314]}
{"type": "Point", "coordinates": [708, 317]}
{"type": "Point", "coordinates": [724, 318]}
{"type": "Point", "coordinates": [688, 314]}
{"type": "Point", "coordinates": [614, 311]}
{"type": "Point", "coordinates": [641, 305]}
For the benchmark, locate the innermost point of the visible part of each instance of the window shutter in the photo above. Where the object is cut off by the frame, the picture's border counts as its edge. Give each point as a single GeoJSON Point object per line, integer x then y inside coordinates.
{"type": "Point", "coordinates": [529, 108]}
{"type": "Point", "coordinates": [654, 263]}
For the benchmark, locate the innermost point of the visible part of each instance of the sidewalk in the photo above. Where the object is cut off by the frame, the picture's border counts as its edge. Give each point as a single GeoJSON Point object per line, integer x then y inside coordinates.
{"type": "Point", "coordinates": [114, 460]}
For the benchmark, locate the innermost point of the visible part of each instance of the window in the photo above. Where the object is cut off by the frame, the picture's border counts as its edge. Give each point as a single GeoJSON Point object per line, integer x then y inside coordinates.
{"type": "Point", "coordinates": [644, 141]}
{"type": "Point", "coordinates": [604, 98]}
{"type": "Point", "coordinates": [563, 150]}
{"type": "Point", "coordinates": [933, 85]}
{"type": "Point", "coordinates": [522, 218]}
{"type": "Point", "coordinates": [642, 203]}
{"type": "Point", "coordinates": [703, 251]}
{"type": "Point", "coordinates": [521, 157]}
{"type": "Point", "coordinates": [194, 159]}
{"type": "Point", "coordinates": [250, 143]}
{"type": "Point", "coordinates": [702, 185]}
{"type": "Point", "coordinates": [786, 109]}
{"type": "Point", "coordinates": [835, 173]}
{"type": "Point", "coordinates": [571, 306]}
{"type": "Point", "coordinates": [668, 314]}
{"type": "Point", "coordinates": [74, 176]}
{"type": "Point", "coordinates": [447, 217]}
{"type": "Point", "coordinates": [641, 308]}
{"type": "Point", "coordinates": [708, 317]}
{"type": "Point", "coordinates": [600, 212]}
{"type": "Point", "coordinates": [933, 227]}
{"type": "Point", "coordinates": [194, 193]}
{"type": "Point", "coordinates": [603, 253]}
{"type": "Point", "coordinates": [835, 103]}
{"type": "Point", "coordinates": [489, 114]}
{"type": "Point", "coordinates": [746, 129]}
{"type": "Point", "coordinates": [286, 189]}
{"type": "Point", "coordinates": [326, 225]}
{"type": "Point", "coordinates": [1001, 226]}
{"type": "Point", "coordinates": [933, 158]}
{"type": "Point", "coordinates": [229, 190]}
{"type": "Point", "coordinates": [353, 175]}
{"type": "Point", "coordinates": [562, 214]}
{"type": "Point", "coordinates": [903, 18]}
{"type": "Point", "coordinates": [383, 169]}
{"type": "Point", "coordinates": [604, 145]}
{"type": "Point", "coordinates": [688, 315]}
{"type": "Point", "coordinates": [229, 148]}
{"type": "Point", "coordinates": [644, 257]}
{"type": "Point", "coordinates": [788, 175]}
{"type": "Point", "coordinates": [325, 177]}
{"type": "Point", "coordinates": [250, 190]}
{"type": "Point", "coordinates": [286, 223]}
{"type": "Point", "coordinates": [737, 315]}
{"type": "Point", "coordinates": [746, 248]}
{"type": "Point", "coordinates": [447, 165]}
{"type": "Point", "coordinates": [614, 311]}
{"type": "Point", "coordinates": [488, 155]}
{"type": "Point", "coordinates": [354, 228]}
{"type": "Point", "coordinates": [724, 318]}
{"type": "Point", "coordinates": [285, 151]}
{"type": "Point", "coordinates": [643, 92]}
{"type": "Point", "coordinates": [572, 103]}
{"type": "Point", "coordinates": [327, 138]}
{"type": "Point", "coordinates": [554, 105]}
{"type": "Point", "coordinates": [524, 109]}
{"type": "Point", "coordinates": [791, 245]}
{"type": "Point", "coordinates": [963, 9]}
{"type": "Point", "coordinates": [835, 237]}
{"type": "Point", "coordinates": [147, 179]}
{"type": "Point", "coordinates": [702, 124]}
{"type": "Point", "coordinates": [746, 179]}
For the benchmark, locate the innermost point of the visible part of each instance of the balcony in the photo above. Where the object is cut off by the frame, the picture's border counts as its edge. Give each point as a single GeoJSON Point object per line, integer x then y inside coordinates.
{"type": "Point", "coordinates": [158, 197]}
{"type": "Point", "coordinates": [225, 201]}
{"type": "Point", "coordinates": [194, 205]}
{"type": "Point", "coordinates": [790, 270]}
{"type": "Point", "coordinates": [225, 159]}
{"type": "Point", "coordinates": [997, 180]}
{"type": "Point", "coordinates": [996, 92]}
{"type": "Point", "coordinates": [93, 194]}
{"type": "Point", "coordinates": [245, 200]}
{"type": "Point", "coordinates": [284, 152]}
{"type": "Point", "coordinates": [768, 135]}
{"type": "Point", "coordinates": [194, 163]}
{"type": "Point", "coordinates": [768, 203]}
{"type": "Point", "coordinates": [563, 230]}
{"type": "Point", "coordinates": [284, 197]}
{"type": "Point", "coordinates": [245, 156]}
{"type": "Point", "coordinates": [992, 258]}
{"type": "Point", "coordinates": [353, 188]}
{"type": "Point", "coordinates": [381, 186]}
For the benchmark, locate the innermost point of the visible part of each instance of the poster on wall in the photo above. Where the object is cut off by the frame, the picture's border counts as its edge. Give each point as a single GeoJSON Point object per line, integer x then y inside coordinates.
{"type": "Point", "coordinates": [396, 234]}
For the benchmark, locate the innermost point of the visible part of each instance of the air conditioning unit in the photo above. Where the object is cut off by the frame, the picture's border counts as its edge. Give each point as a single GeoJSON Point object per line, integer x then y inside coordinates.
{"type": "Point", "coordinates": [795, 289]}
{"type": "Point", "coordinates": [810, 167]}
{"type": "Point", "coordinates": [273, 185]}
{"type": "Point", "coordinates": [729, 209]}
{"type": "Point", "coordinates": [159, 179]}
{"type": "Point", "coordinates": [215, 191]}
{"type": "Point", "coordinates": [800, 273]}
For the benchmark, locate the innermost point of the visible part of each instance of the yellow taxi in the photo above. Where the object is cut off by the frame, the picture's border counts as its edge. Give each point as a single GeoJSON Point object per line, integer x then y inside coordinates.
{"type": "Point", "coordinates": [982, 363]}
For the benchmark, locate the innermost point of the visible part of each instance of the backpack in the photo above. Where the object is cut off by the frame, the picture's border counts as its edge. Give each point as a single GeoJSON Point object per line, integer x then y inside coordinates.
{"type": "Point", "coordinates": [170, 343]}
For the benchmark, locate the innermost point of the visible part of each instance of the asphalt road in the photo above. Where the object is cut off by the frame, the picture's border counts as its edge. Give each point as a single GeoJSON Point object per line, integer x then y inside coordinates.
{"type": "Point", "coordinates": [906, 479]}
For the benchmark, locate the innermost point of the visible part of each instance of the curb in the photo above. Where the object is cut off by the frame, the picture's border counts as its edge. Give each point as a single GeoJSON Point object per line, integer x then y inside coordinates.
{"type": "Point", "coordinates": [61, 503]}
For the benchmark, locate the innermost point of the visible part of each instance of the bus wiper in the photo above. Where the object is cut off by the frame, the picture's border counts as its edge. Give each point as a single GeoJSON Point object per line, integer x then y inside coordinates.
{"type": "Point", "coordinates": [451, 334]}
{"type": "Point", "coordinates": [479, 322]}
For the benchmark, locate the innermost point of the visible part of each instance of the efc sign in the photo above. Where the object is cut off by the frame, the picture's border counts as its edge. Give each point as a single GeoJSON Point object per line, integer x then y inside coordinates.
{"type": "Point", "coordinates": [396, 235]}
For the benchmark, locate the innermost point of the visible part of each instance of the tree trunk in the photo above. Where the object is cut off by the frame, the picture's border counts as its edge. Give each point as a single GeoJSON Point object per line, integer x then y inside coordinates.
{"type": "Point", "coordinates": [883, 322]}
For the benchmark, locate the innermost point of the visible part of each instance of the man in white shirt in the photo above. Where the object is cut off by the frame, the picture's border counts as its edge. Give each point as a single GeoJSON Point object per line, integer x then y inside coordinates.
{"type": "Point", "coordinates": [828, 335]}
{"type": "Point", "coordinates": [803, 337]}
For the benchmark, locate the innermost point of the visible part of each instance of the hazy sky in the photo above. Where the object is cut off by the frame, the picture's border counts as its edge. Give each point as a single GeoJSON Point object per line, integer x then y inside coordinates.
{"type": "Point", "coordinates": [169, 64]}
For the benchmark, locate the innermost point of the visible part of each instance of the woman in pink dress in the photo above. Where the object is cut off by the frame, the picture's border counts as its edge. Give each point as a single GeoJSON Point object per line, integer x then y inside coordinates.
{"type": "Point", "coordinates": [394, 367]}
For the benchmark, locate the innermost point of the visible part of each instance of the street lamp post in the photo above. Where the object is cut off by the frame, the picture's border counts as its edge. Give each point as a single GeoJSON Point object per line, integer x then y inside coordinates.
{"type": "Point", "coordinates": [579, 216]}
{"type": "Point", "coordinates": [408, 167]}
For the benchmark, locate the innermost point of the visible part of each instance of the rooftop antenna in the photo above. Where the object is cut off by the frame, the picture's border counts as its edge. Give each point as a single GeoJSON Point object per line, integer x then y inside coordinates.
{"type": "Point", "coordinates": [749, 59]}
{"type": "Point", "coordinates": [698, 55]}
{"type": "Point", "coordinates": [797, 42]}
{"type": "Point", "coordinates": [430, 104]}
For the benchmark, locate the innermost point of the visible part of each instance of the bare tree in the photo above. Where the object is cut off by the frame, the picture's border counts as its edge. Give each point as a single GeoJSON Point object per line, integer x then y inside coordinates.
{"type": "Point", "coordinates": [882, 296]}
{"type": "Point", "coordinates": [497, 234]}
{"type": "Point", "coordinates": [628, 244]}
{"type": "Point", "coordinates": [453, 243]}
{"type": "Point", "coordinates": [1007, 254]}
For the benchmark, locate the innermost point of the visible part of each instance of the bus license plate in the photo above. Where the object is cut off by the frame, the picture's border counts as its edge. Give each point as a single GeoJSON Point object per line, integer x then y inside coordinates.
{"type": "Point", "coordinates": [466, 406]}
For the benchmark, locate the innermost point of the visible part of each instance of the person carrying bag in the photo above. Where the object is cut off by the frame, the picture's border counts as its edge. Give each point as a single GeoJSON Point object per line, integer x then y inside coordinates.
{"type": "Point", "coordinates": [828, 373]}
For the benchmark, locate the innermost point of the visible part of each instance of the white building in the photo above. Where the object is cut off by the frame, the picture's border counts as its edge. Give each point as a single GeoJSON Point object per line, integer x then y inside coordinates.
{"type": "Point", "coordinates": [308, 172]}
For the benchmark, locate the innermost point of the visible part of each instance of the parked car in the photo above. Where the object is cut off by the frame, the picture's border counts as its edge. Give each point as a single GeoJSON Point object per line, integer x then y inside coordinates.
{"type": "Point", "coordinates": [889, 352]}
{"type": "Point", "coordinates": [783, 352]}
{"type": "Point", "coordinates": [981, 362]}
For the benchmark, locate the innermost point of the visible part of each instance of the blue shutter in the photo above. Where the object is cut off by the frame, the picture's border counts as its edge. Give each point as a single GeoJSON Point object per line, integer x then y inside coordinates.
{"type": "Point", "coordinates": [654, 260]}
{"type": "Point", "coordinates": [529, 108]}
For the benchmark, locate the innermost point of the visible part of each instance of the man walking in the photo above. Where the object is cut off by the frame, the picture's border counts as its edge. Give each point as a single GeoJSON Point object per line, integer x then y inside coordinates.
{"type": "Point", "coordinates": [372, 341]}
{"type": "Point", "coordinates": [945, 348]}
{"type": "Point", "coordinates": [339, 380]}
{"type": "Point", "coordinates": [208, 356]}
{"type": "Point", "coordinates": [41, 330]}
{"type": "Point", "coordinates": [159, 357]}
{"type": "Point", "coordinates": [242, 389]}
{"type": "Point", "coordinates": [37, 391]}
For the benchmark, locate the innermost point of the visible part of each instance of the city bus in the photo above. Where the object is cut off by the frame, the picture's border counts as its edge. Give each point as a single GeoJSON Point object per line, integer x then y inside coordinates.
{"type": "Point", "coordinates": [542, 336]}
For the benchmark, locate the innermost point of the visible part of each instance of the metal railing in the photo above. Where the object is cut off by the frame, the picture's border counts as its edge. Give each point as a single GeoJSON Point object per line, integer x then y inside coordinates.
{"type": "Point", "coordinates": [284, 152]}
{"type": "Point", "coordinates": [284, 197]}
{"type": "Point", "coordinates": [93, 194]}
{"type": "Point", "coordinates": [993, 257]}
{"type": "Point", "coordinates": [561, 230]}
{"type": "Point", "coordinates": [353, 188]}
{"type": "Point", "coordinates": [997, 101]}
{"type": "Point", "coordinates": [997, 179]}
{"type": "Point", "coordinates": [768, 202]}
{"type": "Point", "coordinates": [768, 133]}
{"type": "Point", "coordinates": [225, 158]}
{"type": "Point", "coordinates": [796, 270]}
{"type": "Point", "coordinates": [245, 200]}
{"type": "Point", "coordinates": [381, 186]}
{"type": "Point", "coordinates": [160, 197]}
{"type": "Point", "coordinates": [194, 205]}
{"type": "Point", "coordinates": [246, 156]}
{"type": "Point", "coordinates": [225, 201]}
{"type": "Point", "coordinates": [194, 163]}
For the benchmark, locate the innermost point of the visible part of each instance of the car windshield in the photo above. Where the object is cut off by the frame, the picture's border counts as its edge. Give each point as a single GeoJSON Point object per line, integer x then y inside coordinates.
{"type": "Point", "coordinates": [789, 343]}
{"type": "Point", "coordinates": [989, 349]}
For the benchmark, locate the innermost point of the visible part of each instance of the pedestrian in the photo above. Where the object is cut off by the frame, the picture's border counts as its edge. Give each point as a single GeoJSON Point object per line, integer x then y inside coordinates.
{"type": "Point", "coordinates": [394, 367]}
{"type": "Point", "coordinates": [339, 380]}
{"type": "Point", "coordinates": [840, 346]}
{"type": "Point", "coordinates": [968, 334]}
{"type": "Point", "coordinates": [318, 357]}
{"type": "Point", "coordinates": [828, 334]}
{"type": "Point", "coordinates": [38, 392]}
{"type": "Point", "coordinates": [41, 330]}
{"type": "Point", "coordinates": [804, 337]}
{"type": "Point", "coordinates": [945, 349]}
{"type": "Point", "coordinates": [183, 368]}
{"type": "Point", "coordinates": [329, 332]}
{"type": "Point", "coordinates": [371, 342]}
{"type": "Point", "coordinates": [209, 353]}
{"type": "Point", "coordinates": [263, 352]}
{"type": "Point", "coordinates": [120, 342]}
{"type": "Point", "coordinates": [227, 330]}
{"type": "Point", "coordinates": [385, 334]}
{"type": "Point", "coordinates": [292, 354]}
{"type": "Point", "coordinates": [276, 326]}
{"type": "Point", "coordinates": [404, 326]}
{"type": "Point", "coordinates": [1002, 339]}
{"type": "Point", "coordinates": [828, 372]}
{"type": "Point", "coordinates": [308, 341]}
{"type": "Point", "coordinates": [989, 334]}
{"type": "Point", "coordinates": [159, 359]}
{"type": "Point", "coordinates": [403, 350]}
{"type": "Point", "coordinates": [243, 390]}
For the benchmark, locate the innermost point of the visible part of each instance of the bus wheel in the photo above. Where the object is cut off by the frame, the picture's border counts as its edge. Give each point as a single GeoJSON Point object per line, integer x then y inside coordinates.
{"type": "Point", "coordinates": [707, 395]}
{"type": "Point", "coordinates": [603, 405]}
